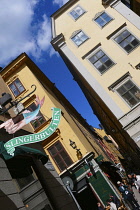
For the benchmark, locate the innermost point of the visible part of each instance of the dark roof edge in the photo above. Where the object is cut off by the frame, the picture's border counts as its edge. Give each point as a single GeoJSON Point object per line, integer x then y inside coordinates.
{"type": "Point", "coordinates": [13, 61]}
{"type": "Point", "coordinates": [63, 8]}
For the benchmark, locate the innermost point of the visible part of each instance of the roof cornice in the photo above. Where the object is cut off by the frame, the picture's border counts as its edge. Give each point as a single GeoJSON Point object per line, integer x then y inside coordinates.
{"type": "Point", "coordinates": [64, 8]}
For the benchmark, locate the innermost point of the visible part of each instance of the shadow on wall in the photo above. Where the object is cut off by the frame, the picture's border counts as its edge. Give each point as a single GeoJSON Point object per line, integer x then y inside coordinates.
{"type": "Point", "coordinates": [6, 202]}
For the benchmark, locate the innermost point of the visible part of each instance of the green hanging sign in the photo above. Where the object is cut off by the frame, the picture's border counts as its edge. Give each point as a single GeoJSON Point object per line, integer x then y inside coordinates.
{"type": "Point", "coordinates": [37, 137]}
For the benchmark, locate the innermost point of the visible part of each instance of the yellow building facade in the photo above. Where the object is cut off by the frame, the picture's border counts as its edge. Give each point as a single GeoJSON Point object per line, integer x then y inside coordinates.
{"type": "Point", "coordinates": [99, 42]}
{"type": "Point", "coordinates": [74, 146]}
{"type": "Point", "coordinates": [18, 78]}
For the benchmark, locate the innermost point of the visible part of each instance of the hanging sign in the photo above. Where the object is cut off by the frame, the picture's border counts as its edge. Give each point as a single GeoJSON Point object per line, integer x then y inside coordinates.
{"type": "Point", "coordinates": [37, 137]}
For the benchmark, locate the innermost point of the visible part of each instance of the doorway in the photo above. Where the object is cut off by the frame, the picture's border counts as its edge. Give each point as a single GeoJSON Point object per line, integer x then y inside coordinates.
{"type": "Point", "coordinates": [86, 198]}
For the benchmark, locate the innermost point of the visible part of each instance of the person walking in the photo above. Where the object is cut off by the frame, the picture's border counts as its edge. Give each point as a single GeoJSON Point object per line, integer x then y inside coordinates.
{"type": "Point", "coordinates": [128, 195]}
{"type": "Point", "coordinates": [111, 204]}
{"type": "Point", "coordinates": [99, 206]}
{"type": "Point", "coordinates": [115, 200]}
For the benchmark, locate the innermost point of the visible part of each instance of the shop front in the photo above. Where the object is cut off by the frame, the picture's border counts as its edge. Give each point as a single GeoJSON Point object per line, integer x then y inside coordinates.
{"type": "Point", "coordinates": [87, 183]}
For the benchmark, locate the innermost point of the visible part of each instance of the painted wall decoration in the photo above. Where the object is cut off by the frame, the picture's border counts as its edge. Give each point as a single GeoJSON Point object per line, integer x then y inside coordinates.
{"type": "Point", "coordinates": [14, 124]}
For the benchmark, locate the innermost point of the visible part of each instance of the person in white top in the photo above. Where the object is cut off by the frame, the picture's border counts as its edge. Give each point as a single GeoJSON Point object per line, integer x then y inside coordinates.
{"type": "Point", "coordinates": [112, 205]}
{"type": "Point", "coordinates": [136, 179]}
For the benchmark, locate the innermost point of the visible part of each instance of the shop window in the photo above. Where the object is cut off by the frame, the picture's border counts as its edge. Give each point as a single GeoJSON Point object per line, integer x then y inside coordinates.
{"type": "Point", "coordinates": [127, 41]}
{"type": "Point", "coordinates": [60, 156]}
{"type": "Point", "coordinates": [77, 12]}
{"type": "Point", "coordinates": [40, 119]}
{"type": "Point", "coordinates": [79, 38]}
{"type": "Point", "coordinates": [16, 87]}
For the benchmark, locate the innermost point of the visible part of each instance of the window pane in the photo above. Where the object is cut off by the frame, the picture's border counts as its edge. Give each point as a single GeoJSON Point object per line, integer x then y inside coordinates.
{"type": "Point", "coordinates": [82, 36]}
{"type": "Point", "coordinates": [100, 21]}
{"type": "Point", "coordinates": [57, 159]}
{"type": "Point", "coordinates": [62, 166]}
{"type": "Point", "coordinates": [128, 84]}
{"type": "Point", "coordinates": [68, 161]}
{"type": "Point", "coordinates": [135, 42]}
{"type": "Point", "coordinates": [63, 154]}
{"type": "Point", "coordinates": [98, 64]}
{"type": "Point", "coordinates": [104, 59]}
{"type": "Point", "coordinates": [130, 38]}
{"type": "Point", "coordinates": [74, 14]}
{"type": "Point", "coordinates": [103, 19]}
{"type": "Point", "coordinates": [106, 17]}
{"type": "Point", "coordinates": [40, 120]}
{"type": "Point", "coordinates": [93, 59]}
{"type": "Point", "coordinates": [128, 48]}
{"type": "Point", "coordinates": [108, 63]}
{"type": "Point", "coordinates": [127, 91]}
{"type": "Point", "coordinates": [58, 146]}
{"type": "Point", "coordinates": [79, 10]}
{"type": "Point", "coordinates": [16, 87]}
{"type": "Point", "coordinates": [60, 156]}
{"type": "Point", "coordinates": [127, 96]}
{"type": "Point", "coordinates": [127, 41]}
{"type": "Point", "coordinates": [101, 61]}
{"type": "Point", "coordinates": [16, 92]}
{"type": "Point", "coordinates": [99, 54]}
{"type": "Point", "coordinates": [118, 39]}
{"type": "Point", "coordinates": [121, 90]}
{"type": "Point", "coordinates": [134, 90]}
{"type": "Point", "coordinates": [52, 150]}
{"type": "Point", "coordinates": [133, 101]}
{"type": "Point", "coordinates": [79, 38]}
{"type": "Point", "coordinates": [76, 40]}
{"type": "Point", "coordinates": [125, 33]}
{"type": "Point", "coordinates": [17, 82]}
{"type": "Point", "coordinates": [102, 68]}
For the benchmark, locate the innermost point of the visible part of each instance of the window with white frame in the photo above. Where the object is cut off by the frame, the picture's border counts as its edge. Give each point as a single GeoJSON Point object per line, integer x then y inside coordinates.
{"type": "Point", "coordinates": [101, 61]}
{"type": "Point", "coordinates": [129, 92]}
{"type": "Point", "coordinates": [103, 19]}
{"type": "Point", "coordinates": [79, 38]}
{"type": "Point", "coordinates": [127, 41]}
{"type": "Point", "coordinates": [77, 12]}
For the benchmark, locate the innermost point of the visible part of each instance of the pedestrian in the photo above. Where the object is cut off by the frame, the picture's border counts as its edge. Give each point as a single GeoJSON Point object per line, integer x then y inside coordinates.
{"type": "Point", "coordinates": [111, 204]}
{"type": "Point", "coordinates": [99, 206]}
{"type": "Point", "coordinates": [136, 179]}
{"type": "Point", "coordinates": [128, 195]}
{"type": "Point", "coordinates": [115, 200]}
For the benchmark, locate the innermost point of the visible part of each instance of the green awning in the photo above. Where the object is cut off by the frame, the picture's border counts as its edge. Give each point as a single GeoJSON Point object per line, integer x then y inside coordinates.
{"type": "Point", "coordinates": [20, 165]}
{"type": "Point", "coordinates": [22, 150]}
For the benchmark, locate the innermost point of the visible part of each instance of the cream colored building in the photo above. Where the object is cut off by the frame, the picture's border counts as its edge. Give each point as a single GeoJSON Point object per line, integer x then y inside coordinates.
{"type": "Point", "coordinates": [99, 43]}
{"type": "Point", "coordinates": [72, 148]}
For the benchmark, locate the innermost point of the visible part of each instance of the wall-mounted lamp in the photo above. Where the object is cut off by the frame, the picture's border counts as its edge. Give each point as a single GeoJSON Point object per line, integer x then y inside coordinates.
{"type": "Point", "coordinates": [78, 152]}
{"type": "Point", "coordinates": [72, 144]}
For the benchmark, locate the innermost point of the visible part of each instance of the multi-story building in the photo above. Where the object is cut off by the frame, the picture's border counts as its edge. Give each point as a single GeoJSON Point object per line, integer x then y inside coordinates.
{"type": "Point", "coordinates": [74, 148]}
{"type": "Point", "coordinates": [133, 5]}
{"type": "Point", "coordinates": [99, 43]}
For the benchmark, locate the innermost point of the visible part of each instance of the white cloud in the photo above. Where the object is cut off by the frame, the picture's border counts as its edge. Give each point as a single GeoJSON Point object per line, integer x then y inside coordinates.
{"type": "Point", "coordinates": [20, 32]}
{"type": "Point", "coordinates": [44, 34]}
{"type": "Point", "coordinates": [60, 2]}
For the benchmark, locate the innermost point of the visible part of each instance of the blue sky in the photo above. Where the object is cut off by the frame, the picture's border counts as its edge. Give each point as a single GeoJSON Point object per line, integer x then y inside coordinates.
{"type": "Point", "coordinates": [26, 27]}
